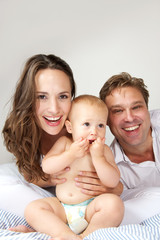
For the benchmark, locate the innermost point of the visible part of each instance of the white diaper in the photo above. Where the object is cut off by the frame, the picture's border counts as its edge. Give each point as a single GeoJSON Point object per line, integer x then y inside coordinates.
{"type": "Point", "coordinates": [75, 216]}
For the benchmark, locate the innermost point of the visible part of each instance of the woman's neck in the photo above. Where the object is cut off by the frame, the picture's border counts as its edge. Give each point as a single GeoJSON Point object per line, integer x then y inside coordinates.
{"type": "Point", "coordinates": [47, 140]}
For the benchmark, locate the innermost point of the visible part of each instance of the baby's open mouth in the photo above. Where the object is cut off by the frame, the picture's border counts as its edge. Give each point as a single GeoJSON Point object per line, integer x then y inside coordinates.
{"type": "Point", "coordinates": [91, 141]}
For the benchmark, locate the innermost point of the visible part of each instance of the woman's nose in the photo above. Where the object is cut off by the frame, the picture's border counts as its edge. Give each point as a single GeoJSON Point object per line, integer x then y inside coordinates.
{"type": "Point", "coordinates": [53, 106]}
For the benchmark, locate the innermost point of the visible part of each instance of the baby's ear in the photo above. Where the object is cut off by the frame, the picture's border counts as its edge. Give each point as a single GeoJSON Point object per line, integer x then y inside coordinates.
{"type": "Point", "coordinates": [68, 126]}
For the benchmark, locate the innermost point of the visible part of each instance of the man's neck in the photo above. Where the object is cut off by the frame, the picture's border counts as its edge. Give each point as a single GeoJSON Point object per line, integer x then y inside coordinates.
{"type": "Point", "coordinates": [141, 153]}
{"type": "Point", "coordinates": [136, 157]}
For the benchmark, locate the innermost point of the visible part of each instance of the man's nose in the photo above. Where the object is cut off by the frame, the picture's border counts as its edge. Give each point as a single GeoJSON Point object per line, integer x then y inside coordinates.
{"type": "Point", "coordinates": [129, 116]}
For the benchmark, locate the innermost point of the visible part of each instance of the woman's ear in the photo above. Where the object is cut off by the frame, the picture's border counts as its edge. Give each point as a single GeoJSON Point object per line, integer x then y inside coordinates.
{"type": "Point", "coordinates": [68, 126]}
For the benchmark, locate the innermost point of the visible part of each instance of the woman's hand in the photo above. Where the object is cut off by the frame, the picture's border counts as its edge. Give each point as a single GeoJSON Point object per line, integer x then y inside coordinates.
{"type": "Point", "coordinates": [90, 184]}
{"type": "Point", "coordinates": [56, 178]}
{"type": "Point", "coordinates": [53, 179]}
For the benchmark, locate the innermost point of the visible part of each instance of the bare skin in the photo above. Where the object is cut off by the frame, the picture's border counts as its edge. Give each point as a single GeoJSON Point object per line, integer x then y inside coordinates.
{"type": "Point", "coordinates": [106, 210]}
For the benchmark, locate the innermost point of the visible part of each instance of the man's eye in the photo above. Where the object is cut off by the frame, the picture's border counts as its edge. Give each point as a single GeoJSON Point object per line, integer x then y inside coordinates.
{"type": "Point", "coordinates": [117, 111]}
{"type": "Point", "coordinates": [86, 124]}
{"type": "Point", "coordinates": [136, 107]}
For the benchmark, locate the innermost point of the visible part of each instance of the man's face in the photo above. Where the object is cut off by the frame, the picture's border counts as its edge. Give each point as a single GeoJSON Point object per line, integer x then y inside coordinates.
{"type": "Point", "coordinates": [128, 118]}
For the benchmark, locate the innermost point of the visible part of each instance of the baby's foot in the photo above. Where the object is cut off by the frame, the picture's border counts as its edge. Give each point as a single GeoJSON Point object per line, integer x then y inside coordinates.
{"type": "Point", "coordinates": [21, 228]}
{"type": "Point", "coordinates": [67, 238]}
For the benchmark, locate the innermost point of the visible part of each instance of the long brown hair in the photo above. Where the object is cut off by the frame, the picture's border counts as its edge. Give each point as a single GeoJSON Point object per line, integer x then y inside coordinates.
{"type": "Point", "coordinates": [21, 132]}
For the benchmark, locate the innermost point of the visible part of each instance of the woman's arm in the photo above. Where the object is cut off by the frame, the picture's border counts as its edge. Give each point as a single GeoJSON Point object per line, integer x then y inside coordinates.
{"type": "Point", "coordinates": [52, 180]}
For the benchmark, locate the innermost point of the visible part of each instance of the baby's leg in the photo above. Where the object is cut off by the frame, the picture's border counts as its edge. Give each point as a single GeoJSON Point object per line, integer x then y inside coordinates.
{"type": "Point", "coordinates": [106, 210]}
{"type": "Point", "coordinates": [21, 228]}
{"type": "Point", "coordinates": [47, 215]}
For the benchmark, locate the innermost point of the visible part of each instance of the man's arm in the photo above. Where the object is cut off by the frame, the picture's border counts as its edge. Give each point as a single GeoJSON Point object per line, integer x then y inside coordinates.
{"type": "Point", "coordinates": [90, 184]}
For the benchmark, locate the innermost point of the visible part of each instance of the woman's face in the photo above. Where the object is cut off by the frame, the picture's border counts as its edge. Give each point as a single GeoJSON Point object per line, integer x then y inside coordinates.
{"type": "Point", "coordinates": [53, 99]}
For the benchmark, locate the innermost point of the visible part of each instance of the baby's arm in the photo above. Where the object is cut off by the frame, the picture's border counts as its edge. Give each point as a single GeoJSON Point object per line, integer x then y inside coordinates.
{"type": "Point", "coordinates": [103, 161]}
{"type": "Point", "coordinates": [63, 153]}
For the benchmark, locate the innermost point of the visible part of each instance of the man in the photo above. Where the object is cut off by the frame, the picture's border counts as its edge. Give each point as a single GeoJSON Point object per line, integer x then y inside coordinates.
{"type": "Point", "coordinates": [136, 146]}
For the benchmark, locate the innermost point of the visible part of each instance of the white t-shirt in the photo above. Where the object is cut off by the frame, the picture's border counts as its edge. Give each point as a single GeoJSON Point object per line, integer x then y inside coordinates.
{"type": "Point", "coordinates": [145, 174]}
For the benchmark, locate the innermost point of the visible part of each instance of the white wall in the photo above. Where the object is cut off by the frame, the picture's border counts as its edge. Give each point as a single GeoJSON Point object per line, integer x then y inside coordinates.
{"type": "Point", "coordinates": [98, 38]}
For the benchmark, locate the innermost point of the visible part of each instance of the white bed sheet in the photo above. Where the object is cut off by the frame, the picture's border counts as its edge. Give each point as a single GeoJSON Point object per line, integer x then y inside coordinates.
{"type": "Point", "coordinates": [147, 230]}
{"type": "Point", "coordinates": [16, 193]}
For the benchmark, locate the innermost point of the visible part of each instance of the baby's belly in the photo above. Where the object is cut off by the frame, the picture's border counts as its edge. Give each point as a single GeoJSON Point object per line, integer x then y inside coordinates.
{"type": "Point", "coordinates": [69, 193]}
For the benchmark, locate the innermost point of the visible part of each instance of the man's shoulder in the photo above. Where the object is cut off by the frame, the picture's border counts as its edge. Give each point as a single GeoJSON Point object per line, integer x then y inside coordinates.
{"type": "Point", "coordinates": [116, 149]}
{"type": "Point", "coordinates": [155, 117]}
{"type": "Point", "coordinates": [114, 144]}
{"type": "Point", "coordinates": [154, 112]}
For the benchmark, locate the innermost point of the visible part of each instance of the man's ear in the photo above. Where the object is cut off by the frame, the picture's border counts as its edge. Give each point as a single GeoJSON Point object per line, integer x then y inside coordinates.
{"type": "Point", "coordinates": [68, 126]}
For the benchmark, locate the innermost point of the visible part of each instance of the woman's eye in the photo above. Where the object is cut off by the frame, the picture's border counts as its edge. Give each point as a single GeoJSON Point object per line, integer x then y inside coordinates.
{"type": "Point", "coordinates": [63, 96]}
{"type": "Point", "coordinates": [41, 97]}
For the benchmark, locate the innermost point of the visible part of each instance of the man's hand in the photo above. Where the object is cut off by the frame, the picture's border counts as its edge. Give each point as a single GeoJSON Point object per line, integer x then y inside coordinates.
{"type": "Point", "coordinates": [91, 185]}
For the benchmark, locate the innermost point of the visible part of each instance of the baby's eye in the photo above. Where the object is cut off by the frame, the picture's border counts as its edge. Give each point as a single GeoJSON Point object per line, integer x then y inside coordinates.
{"type": "Point", "coordinates": [101, 125]}
{"type": "Point", "coordinates": [86, 124]}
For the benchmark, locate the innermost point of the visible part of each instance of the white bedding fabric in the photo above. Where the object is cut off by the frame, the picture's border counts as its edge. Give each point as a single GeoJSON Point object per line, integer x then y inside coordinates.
{"type": "Point", "coordinates": [16, 193]}
{"type": "Point", "coordinates": [147, 230]}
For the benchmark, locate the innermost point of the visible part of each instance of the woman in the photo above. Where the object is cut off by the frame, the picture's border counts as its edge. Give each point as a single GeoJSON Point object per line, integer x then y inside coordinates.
{"type": "Point", "coordinates": [41, 104]}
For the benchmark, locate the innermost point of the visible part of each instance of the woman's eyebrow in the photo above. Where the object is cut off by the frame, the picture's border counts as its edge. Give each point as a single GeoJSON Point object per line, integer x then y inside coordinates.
{"type": "Point", "coordinates": [41, 92]}
{"type": "Point", "coordinates": [65, 92]}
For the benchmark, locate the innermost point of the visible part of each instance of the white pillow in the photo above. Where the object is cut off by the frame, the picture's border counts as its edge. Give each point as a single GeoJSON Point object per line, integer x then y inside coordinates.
{"type": "Point", "coordinates": [15, 192]}
{"type": "Point", "coordinates": [140, 204]}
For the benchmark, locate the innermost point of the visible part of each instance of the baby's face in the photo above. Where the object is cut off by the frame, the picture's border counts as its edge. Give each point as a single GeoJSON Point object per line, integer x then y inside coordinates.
{"type": "Point", "coordinates": [88, 121]}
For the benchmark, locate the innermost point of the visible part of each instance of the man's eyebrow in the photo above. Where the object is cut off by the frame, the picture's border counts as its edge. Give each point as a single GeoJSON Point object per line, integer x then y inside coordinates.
{"type": "Point", "coordinates": [116, 106]}
{"type": "Point", "coordinates": [138, 102]}
{"type": "Point", "coordinates": [120, 105]}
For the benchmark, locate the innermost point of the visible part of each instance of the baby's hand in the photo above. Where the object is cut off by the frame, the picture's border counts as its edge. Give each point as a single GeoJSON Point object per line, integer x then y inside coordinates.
{"type": "Point", "coordinates": [97, 147]}
{"type": "Point", "coordinates": [80, 147]}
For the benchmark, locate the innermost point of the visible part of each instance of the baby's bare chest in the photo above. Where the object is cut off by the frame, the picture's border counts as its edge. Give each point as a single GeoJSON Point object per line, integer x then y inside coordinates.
{"type": "Point", "coordinates": [83, 164]}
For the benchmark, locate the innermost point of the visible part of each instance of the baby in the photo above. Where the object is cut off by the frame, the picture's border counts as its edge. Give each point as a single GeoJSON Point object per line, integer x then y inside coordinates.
{"type": "Point", "coordinates": [73, 214]}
